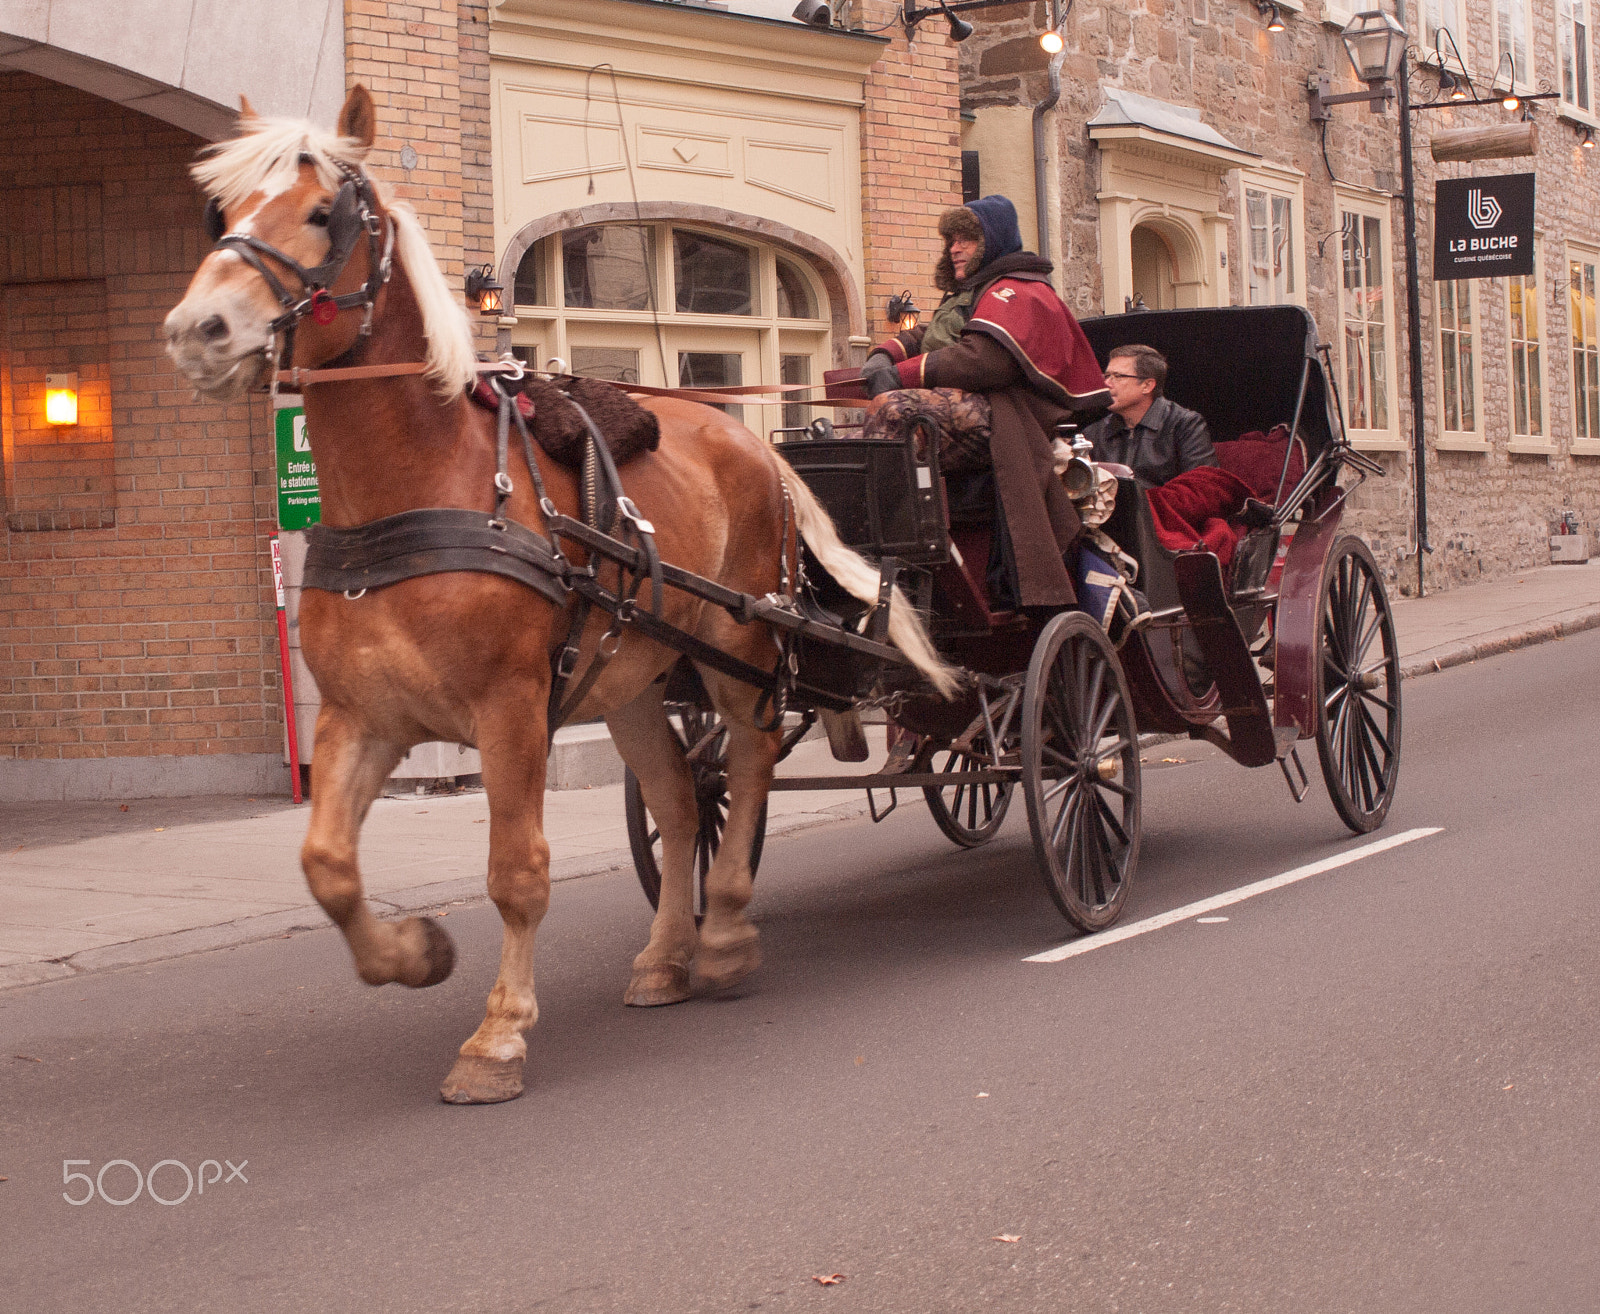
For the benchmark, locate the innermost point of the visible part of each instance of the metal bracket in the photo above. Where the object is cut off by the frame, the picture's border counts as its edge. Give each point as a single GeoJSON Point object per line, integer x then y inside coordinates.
{"type": "Point", "coordinates": [1305, 782]}
{"type": "Point", "coordinates": [872, 806]}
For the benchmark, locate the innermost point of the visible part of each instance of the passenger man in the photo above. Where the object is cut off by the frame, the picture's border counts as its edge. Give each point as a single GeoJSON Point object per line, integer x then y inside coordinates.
{"type": "Point", "coordinates": [1147, 431]}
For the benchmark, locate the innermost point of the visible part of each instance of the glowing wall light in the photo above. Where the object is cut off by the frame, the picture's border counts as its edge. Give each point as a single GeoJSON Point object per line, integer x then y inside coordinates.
{"type": "Point", "coordinates": [61, 398]}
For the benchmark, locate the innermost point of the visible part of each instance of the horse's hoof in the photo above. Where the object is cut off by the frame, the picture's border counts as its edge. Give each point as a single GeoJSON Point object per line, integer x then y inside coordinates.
{"type": "Point", "coordinates": [652, 987]}
{"type": "Point", "coordinates": [723, 967]}
{"type": "Point", "coordinates": [477, 1080]}
{"type": "Point", "coordinates": [438, 952]}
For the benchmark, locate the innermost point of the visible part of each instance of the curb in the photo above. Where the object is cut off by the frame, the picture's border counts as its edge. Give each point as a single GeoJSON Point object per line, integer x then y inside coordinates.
{"type": "Point", "coordinates": [1495, 642]}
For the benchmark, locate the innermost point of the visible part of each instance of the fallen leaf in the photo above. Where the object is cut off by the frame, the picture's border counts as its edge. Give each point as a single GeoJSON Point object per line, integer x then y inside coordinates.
{"type": "Point", "coordinates": [4, 1179]}
{"type": "Point", "coordinates": [480, 821]}
{"type": "Point", "coordinates": [860, 1059]}
{"type": "Point", "coordinates": [160, 828]}
{"type": "Point", "coordinates": [124, 807]}
{"type": "Point", "coordinates": [1508, 1087]}
{"type": "Point", "coordinates": [1007, 1238]}
{"type": "Point", "coordinates": [27, 1058]}
{"type": "Point", "coordinates": [444, 913]}
{"type": "Point", "coordinates": [827, 1279]}
{"type": "Point", "coordinates": [981, 1095]}
{"type": "Point", "coordinates": [1175, 759]}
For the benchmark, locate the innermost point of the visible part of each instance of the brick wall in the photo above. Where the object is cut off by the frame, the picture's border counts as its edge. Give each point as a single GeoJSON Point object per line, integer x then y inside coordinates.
{"type": "Point", "coordinates": [153, 635]}
{"type": "Point", "coordinates": [910, 159]}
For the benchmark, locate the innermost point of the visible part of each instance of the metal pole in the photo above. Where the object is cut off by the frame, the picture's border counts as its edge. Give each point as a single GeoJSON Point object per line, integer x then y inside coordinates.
{"type": "Point", "coordinates": [288, 674]}
{"type": "Point", "coordinates": [1408, 202]}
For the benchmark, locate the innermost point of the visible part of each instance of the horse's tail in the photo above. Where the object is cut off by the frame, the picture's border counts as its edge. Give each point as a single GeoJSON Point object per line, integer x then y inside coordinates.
{"type": "Point", "coordinates": [859, 578]}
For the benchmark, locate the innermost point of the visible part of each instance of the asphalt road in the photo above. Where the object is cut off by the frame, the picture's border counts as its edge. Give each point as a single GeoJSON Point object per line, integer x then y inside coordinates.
{"type": "Point", "coordinates": [1375, 1089]}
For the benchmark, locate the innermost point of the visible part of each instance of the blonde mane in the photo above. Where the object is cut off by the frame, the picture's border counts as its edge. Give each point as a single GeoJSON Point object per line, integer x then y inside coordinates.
{"type": "Point", "coordinates": [266, 157]}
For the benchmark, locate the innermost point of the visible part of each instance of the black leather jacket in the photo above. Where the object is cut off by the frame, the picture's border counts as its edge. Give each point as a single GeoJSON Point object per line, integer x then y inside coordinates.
{"type": "Point", "coordinates": [1166, 442]}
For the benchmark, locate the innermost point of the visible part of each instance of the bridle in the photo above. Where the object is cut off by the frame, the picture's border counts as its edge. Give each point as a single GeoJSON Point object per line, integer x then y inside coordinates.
{"type": "Point", "coordinates": [353, 211]}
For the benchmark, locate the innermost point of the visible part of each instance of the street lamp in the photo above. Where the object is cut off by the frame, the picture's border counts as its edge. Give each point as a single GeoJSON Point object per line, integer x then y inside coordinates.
{"type": "Point", "coordinates": [1376, 45]}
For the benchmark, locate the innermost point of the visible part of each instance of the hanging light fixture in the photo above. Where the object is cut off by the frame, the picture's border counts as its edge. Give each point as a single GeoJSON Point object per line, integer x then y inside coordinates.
{"type": "Point", "coordinates": [1451, 87]}
{"type": "Point", "coordinates": [1272, 14]}
{"type": "Point", "coordinates": [1587, 139]}
{"type": "Point", "coordinates": [1051, 43]}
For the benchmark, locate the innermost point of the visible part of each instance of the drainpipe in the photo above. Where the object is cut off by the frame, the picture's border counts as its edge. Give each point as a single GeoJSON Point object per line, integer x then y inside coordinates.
{"type": "Point", "coordinates": [1041, 155]}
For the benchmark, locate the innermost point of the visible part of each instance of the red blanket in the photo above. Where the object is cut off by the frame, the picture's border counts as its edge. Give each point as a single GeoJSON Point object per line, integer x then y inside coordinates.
{"type": "Point", "coordinates": [1257, 458]}
{"type": "Point", "coordinates": [1194, 509]}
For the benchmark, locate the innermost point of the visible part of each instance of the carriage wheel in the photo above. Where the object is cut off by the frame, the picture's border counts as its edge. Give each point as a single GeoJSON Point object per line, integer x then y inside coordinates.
{"type": "Point", "coordinates": [703, 727]}
{"type": "Point", "coordinates": [969, 815]}
{"type": "Point", "coordinates": [1080, 770]}
{"type": "Point", "coordinates": [1358, 688]}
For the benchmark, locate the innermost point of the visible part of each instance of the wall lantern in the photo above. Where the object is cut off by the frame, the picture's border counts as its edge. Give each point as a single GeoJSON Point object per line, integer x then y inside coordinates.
{"type": "Point", "coordinates": [1376, 45]}
{"type": "Point", "coordinates": [903, 312]}
{"type": "Point", "coordinates": [485, 292]}
{"type": "Point", "coordinates": [813, 13]}
{"type": "Point", "coordinates": [1272, 14]}
{"type": "Point", "coordinates": [61, 398]}
{"type": "Point", "coordinates": [1374, 41]}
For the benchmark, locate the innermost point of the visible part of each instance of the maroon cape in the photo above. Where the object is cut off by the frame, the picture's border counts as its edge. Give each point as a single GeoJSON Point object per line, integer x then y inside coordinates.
{"type": "Point", "coordinates": [1023, 350]}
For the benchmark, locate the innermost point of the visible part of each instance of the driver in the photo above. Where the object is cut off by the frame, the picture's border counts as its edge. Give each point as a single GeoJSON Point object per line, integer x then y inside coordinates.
{"type": "Point", "coordinates": [1001, 336]}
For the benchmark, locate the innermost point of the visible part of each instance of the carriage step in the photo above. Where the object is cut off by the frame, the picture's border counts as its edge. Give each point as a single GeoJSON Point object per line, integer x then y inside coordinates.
{"type": "Point", "coordinates": [1249, 739]}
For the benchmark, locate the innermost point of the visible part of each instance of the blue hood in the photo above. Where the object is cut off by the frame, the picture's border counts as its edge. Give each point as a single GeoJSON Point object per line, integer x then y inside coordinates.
{"type": "Point", "coordinates": [998, 219]}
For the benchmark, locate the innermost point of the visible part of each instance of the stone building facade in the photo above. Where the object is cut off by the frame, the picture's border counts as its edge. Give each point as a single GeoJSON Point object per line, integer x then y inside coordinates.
{"type": "Point", "coordinates": [1189, 172]}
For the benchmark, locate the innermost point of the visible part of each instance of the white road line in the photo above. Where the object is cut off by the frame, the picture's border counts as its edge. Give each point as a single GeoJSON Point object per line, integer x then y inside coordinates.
{"type": "Point", "coordinates": [1089, 943]}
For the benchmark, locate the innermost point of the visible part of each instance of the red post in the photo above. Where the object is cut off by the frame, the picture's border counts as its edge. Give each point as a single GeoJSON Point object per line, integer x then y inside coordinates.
{"type": "Point", "coordinates": [288, 678]}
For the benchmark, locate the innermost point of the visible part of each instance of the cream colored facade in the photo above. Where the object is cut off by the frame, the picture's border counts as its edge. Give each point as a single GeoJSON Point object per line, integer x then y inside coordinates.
{"type": "Point", "coordinates": [680, 124]}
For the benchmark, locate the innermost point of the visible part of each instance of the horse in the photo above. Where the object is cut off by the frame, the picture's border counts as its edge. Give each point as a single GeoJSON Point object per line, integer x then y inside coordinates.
{"type": "Point", "coordinates": [466, 656]}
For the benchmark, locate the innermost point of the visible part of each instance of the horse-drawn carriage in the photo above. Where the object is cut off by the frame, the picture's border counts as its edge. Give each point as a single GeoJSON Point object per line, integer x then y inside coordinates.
{"type": "Point", "coordinates": [1286, 636]}
{"type": "Point", "coordinates": [481, 575]}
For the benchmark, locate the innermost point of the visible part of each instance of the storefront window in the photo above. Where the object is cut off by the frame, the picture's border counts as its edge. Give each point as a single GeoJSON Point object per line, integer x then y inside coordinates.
{"type": "Point", "coordinates": [713, 277]}
{"type": "Point", "coordinates": [609, 268]}
{"type": "Point", "coordinates": [1364, 308]}
{"type": "Point", "coordinates": [1524, 320]}
{"type": "Point", "coordinates": [1457, 374]}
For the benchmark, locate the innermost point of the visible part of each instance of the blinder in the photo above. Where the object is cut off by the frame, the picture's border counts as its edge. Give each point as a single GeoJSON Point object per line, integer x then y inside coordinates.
{"type": "Point", "coordinates": [352, 213]}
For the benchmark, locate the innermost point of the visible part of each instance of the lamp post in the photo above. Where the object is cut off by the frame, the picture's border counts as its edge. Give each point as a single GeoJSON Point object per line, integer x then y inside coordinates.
{"type": "Point", "coordinates": [1376, 45]}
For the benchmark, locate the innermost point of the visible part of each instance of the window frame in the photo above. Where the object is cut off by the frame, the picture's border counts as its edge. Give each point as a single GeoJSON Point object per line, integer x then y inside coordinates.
{"type": "Point", "coordinates": [1570, 108]}
{"type": "Point", "coordinates": [1274, 182]}
{"type": "Point", "coordinates": [1474, 439]}
{"type": "Point", "coordinates": [1372, 205]}
{"type": "Point", "coordinates": [1527, 444]}
{"type": "Point", "coordinates": [1525, 81]}
{"type": "Point", "coordinates": [1577, 251]}
{"type": "Point", "coordinates": [546, 331]}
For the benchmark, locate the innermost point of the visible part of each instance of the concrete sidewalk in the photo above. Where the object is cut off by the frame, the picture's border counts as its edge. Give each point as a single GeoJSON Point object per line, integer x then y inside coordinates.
{"type": "Point", "coordinates": [89, 886]}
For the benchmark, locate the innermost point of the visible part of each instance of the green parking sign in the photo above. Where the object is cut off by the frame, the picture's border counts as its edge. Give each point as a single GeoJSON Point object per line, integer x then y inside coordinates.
{"type": "Point", "coordinates": [299, 502]}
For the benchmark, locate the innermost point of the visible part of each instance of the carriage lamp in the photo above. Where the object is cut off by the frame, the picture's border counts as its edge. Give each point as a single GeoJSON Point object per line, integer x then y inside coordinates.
{"type": "Point", "coordinates": [61, 398]}
{"type": "Point", "coordinates": [485, 292]}
{"type": "Point", "coordinates": [903, 311]}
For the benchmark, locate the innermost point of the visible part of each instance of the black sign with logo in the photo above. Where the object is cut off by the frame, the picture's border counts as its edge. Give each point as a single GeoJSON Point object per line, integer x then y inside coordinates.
{"type": "Point", "coordinates": [1483, 227]}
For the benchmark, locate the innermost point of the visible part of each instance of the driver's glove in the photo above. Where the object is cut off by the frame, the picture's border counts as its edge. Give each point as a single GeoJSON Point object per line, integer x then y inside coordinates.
{"type": "Point", "coordinates": [880, 374]}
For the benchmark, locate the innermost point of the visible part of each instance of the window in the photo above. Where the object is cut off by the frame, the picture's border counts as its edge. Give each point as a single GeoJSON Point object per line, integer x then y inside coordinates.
{"type": "Point", "coordinates": [1271, 267]}
{"type": "Point", "coordinates": [1446, 14]}
{"type": "Point", "coordinates": [1458, 373]}
{"type": "Point", "coordinates": [1572, 51]}
{"type": "Point", "coordinates": [1525, 327]}
{"type": "Point", "coordinates": [1366, 315]}
{"type": "Point", "coordinates": [1585, 349]}
{"type": "Point", "coordinates": [673, 305]}
{"type": "Point", "coordinates": [1511, 38]}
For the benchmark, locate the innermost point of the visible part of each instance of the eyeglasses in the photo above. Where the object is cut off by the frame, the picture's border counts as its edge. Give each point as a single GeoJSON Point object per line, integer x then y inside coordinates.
{"type": "Point", "coordinates": [1110, 375]}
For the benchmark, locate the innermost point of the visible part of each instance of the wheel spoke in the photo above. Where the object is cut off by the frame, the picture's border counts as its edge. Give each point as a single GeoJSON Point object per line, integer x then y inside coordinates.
{"type": "Point", "coordinates": [1092, 864]}
{"type": "Point", "coordinates": [1105, 811]}
{"type": "Point", "coordinates": [1069, 810]}
{"type": "Point", "coordinates": [1372, 728]}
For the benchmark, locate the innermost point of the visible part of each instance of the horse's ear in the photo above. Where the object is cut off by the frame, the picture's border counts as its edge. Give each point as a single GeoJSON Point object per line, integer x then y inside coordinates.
{"type": "Point", "coordinates": [358, 120]}
{"type": "Point", "coordinates": [247, 111]}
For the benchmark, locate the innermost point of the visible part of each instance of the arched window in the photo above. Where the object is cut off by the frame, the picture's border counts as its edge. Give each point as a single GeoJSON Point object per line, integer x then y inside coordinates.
{"type": "Point", "coordinates": [674, 305]}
